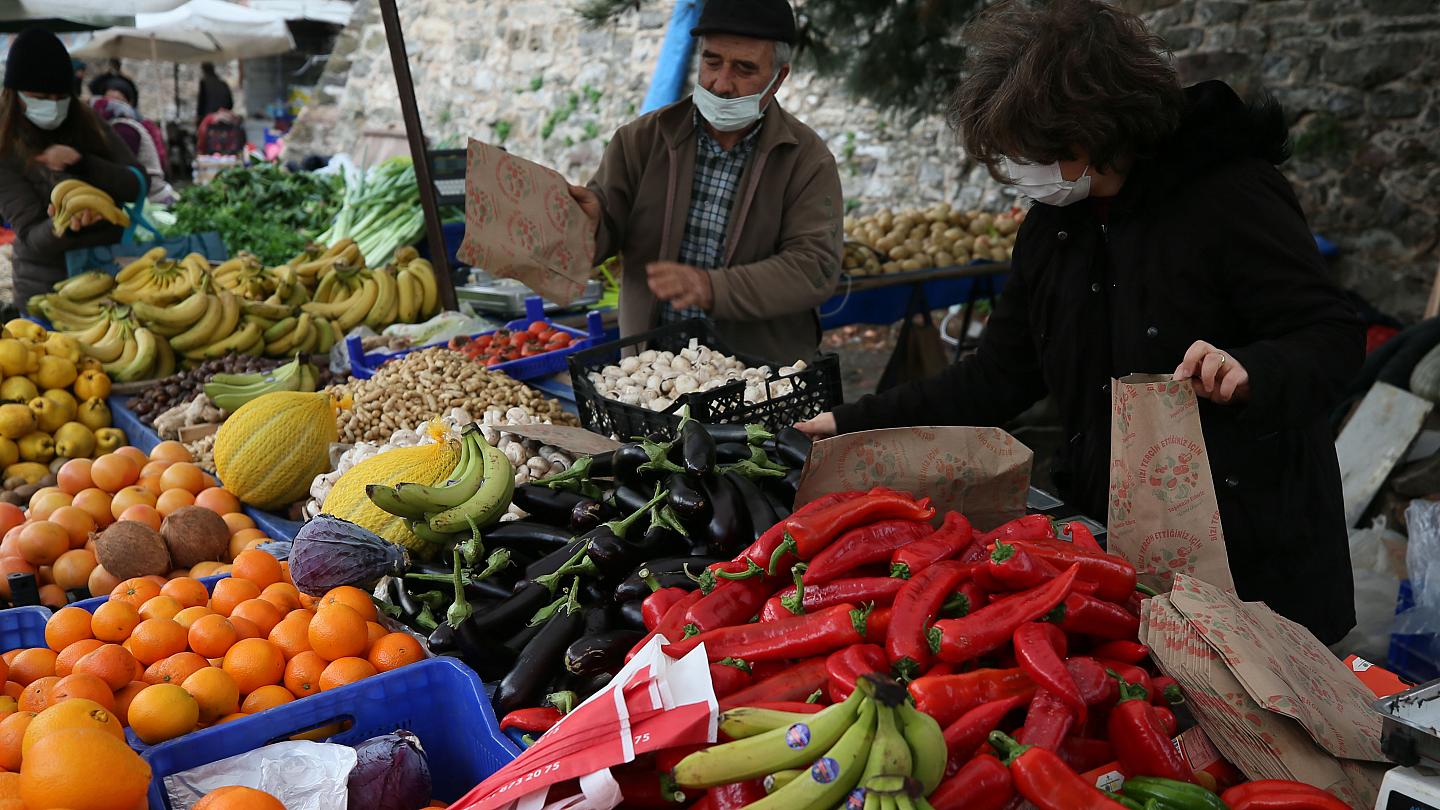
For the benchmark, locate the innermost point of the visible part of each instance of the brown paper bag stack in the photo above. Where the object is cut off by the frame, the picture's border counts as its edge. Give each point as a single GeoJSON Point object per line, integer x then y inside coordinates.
{"type": "Point", "coordinates": [1163, 514]}
{"type": "Point", "coordinates": [1275, 702]}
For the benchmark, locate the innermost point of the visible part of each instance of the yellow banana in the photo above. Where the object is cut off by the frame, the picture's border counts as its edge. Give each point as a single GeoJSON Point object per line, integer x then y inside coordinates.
{"type": "Point", "coordinates": [132, 269]}
{"type": "Point", "coordinates": [382, 314]}
{"type": "Point", "coordinates": [147, 351]}
{"type": "Point", "coordinates": [202, 331]}
{"type": "Point", "coordinates": [165, 361]}
{"type": "Point", "coordinates": [244, 336]}
{"type": "Point", "coordinates": [92, 334]}
{"type": "Point", "coordinates": [288, 343]}
{"type": "Point", "coordinates": [109, 347]}
{"type": "Point", "coordinates": [128, 350]}
{"type": "Point", "coordinates": [411, 296]}
{"type": "Point", "coordinates": [425, 272]}
{"type": "Point", "coordinates": [57, 194]}
{"type": "Point", "coordinates": [359, 306]}
{"type": "Point", "coordinates": [230, 314]}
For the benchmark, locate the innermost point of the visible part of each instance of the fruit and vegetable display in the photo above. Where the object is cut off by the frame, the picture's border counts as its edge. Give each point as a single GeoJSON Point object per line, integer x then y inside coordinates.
{"type": "Point", "coordinates": [939, 236]}
{"type": "Point", "coordinates": [655, 380]}
{"type": "Point", "coordinates": [70, 197]}
{"type": "Point", "coordinates": [52, 402]}
{"type": "Point", "coordinates": [504, 345]}
{"type": "Point", "coordinates": [261, 209]}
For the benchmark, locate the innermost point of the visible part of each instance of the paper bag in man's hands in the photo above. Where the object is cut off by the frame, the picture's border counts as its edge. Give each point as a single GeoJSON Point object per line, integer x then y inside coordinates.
{"type": "Point", "coordinates": [522, 223]}
{"type": "Point", "coordinates": [982, 473]}
{"type": "Point", "coordinates": [1163, 514]}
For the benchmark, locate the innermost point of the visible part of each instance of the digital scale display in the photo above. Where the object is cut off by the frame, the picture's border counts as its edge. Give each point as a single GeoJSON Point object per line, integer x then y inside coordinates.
{"type": "Point", "coordinates": [1399, 801]}
{"type": "Point", "coordinates": [447, 171]}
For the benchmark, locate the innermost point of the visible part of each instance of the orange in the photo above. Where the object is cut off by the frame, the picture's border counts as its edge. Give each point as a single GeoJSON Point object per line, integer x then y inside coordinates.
{"type": "Point", "coordinates": [188, 591]}
{"type": "Point", "coordinates": [144, 513]}
{"type": "Point", "coordinates": [218, 500]}
{"type": "Point", "coordinates": [172, 451]}
{"type": "Point", "coordinates": [302, 674]}
{"type": "Point", "coordinates": [83, 685]}
{"type": "Point", "coordinates": [101, 582]}
{"type": "Point", "coordinates": [74, 476]}
{"type": "Point", "coordinates": [211, 636]}
{"type": "Point", "coordinates": [72, 570]}
{"type": "Point", "coordinates": [184, 475]}
{"type": "Point", "coordinates": [237, 521]}
{"type": "Point", "coordinates": [8, 706]}
{"type": "Point", "coordinates": [173, 499]}
{"type": "Point", "coordinates": [46, 501]}
{"type": "Point", "coordinates": [208, 568]}
{"type": "Point", "coordinates": [215, 691]}
{"type": "Point", "coordinates": [63, 770]}
{"type": "Point", "coordinates": [175, 669]}
{"type": "Point", "coordinates": [337, 631]}
{"type": "Point", "coordinates": [125, 696]}
{"type": "Point", "coordinates": [259, 567]}
{"type": "Point", "coordinates": [374, 631]}
{"type": "Point", "coordinates": [292, 637]}
{"type": "Point", "coordinates": [136, 590]}
{"type": "Point", "coordinates": [113, 472]}
{"type": "Point", "coordinates": [157, 639]}
{"type": "Point", "coordinates": [161, 607]}
{"type": "Point", "coordinates": [52, 596]}
{"type": "Point", "coordinates": [12, 738]}
{"type": "Point", "coordinates": [77, 713]}
{"type": "Point", "coordinates": [246, 535]}
{"type": "Point", "coordinates": [113, 664]}
{"type": "Point", "coordinates": [32, 663]}
{"type": "Point", "coordinates": [10, 790]}
{"type": "Point", "coordinates": [130, 496]}
{"type": "Point", "coordinates": [188, 616]}
{"type": "Point", "coordinates": [135, 454]}
{"type": "Point", "coordinates": [344, 670]}
{"type": "Point", "coordinates": [154, 468]}
{"type": "Point", "coordinates": [231, 592]}
{"type": "Point", "coordinates": [149, 483]}
{"type": "Point", "coordinates": [246, 628]}
{"type": "Point", "coordinates": [65, 661]}
{"type": "Point", "coordinates": [163, 712]}
{"type": "Point", "coordinates": [36, 697]}
{"type": "Point", "coordinates": [395, 650]}
{"type": "Point", "coordinates": [238, 798]}
{"type": "Point", "coordinates": [262, 613]}
{"type": "Point", "coordinates": [12, 516]}
{"type": "Point", "coordinates": [282, 595]}
{"type": "Point", "coordinates": [253, 663]}
{"type": "Point", "coordinates": [76, 522]}
{"type": "Point", "coordinates": [354, 598]}
{"type": "Point", "coordinates": [13, 691]}
{"type": "Point", "coordinates": [67, 626]}
{"type": "Point", "coordinates": [42, 542]}
{"type": "Point", "coordinates": [12, 565]}
{"type": "Point", "coordinates": [266, 697]}
{"type": "Point", "coordinates": [114, 620]}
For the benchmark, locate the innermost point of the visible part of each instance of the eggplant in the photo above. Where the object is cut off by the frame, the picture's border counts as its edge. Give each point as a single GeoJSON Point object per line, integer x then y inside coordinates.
{"type": "Point", "coordinates": [626, 463]}
{"type": "Point", "coordinates": [432, 568]}
{"type": "Point", "coordinates": [525, 683]}
{"type": "Point", "coordinates": [792, 480]}
{"type": "Point", "coordinates": [697, 448]}
{"type": "Point", "coordinates": [546, 505]}
{"type": "Point", "coordinates": [596, 653]}
{"type": "Point", "coordinates": [485, 653]}
{"type": "Point", "coordinates": [729, 528]}
{"type": "Point", "coordinates": [628, 499]}
{"type": "Point", "coordinates": [512, 612]}
{"type": "Point", "coordinates": [401, 598]}
{"type": "Point", "coordinates": [658, 538]}
{"type": "Point", "coordinates": [589, 513]}
{"type": "Point", "coordinates": [552, 561]}
{"type": "Point", "coordinates": [527, 534]}
{"type": "Point", "coordinates": [595, 619]}
{"type": "Point", "coordinates": [793, 446]}
{"type": "Point", "coordinates": [602, 465]}
{"type": "Point", "coordinates": [689, 503]}
{"type": "Point", "coordinates": [782, 509]}
{"type": "Point", "coordinates": [757, 506]}
{"type": "Point", "coordinates": [667, 572]}
{"type": "Point", "coordinates": [585, 687]}
{"type": "Point", "coordinates": [477, 591]}
{"type": "Point", "coordinates": [739, 434]}
{"type": "Point", "coordinates": [731, 452]}
{"type": "Point", "coordinates": [631, 615]}
{"type": "Point", "coordinates": [442, 639]}
{"type": "Point", "coordinates": [517, 642]}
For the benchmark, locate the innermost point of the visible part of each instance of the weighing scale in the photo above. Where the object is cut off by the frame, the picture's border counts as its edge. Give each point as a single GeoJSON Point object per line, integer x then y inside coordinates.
{"type": "Point", "coordinates": [447, 174]}
{"type": "Point", "coordinates": [1410, 736]}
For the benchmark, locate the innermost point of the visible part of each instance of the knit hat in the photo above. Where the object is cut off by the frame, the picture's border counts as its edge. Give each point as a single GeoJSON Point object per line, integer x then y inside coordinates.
{"type": "Point", "coordinates": [758, 19]}
{"type": "Point", "coordinates": [39, 63]}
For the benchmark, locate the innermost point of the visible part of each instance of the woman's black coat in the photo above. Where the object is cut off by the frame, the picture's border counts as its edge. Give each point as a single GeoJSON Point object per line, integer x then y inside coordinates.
{"type": "Point", "coordinates": [1206, 241]}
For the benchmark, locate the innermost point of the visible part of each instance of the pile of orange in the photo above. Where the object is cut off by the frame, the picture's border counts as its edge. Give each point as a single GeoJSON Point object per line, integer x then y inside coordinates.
{"type": "Point", "coordinates": [53, 540]}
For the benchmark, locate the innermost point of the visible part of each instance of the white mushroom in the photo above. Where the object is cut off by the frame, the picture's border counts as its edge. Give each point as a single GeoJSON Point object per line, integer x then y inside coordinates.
{"type": "Point", "coordinates": [685, 384]}
{"type": "Point", "coordinates": [629, 365]}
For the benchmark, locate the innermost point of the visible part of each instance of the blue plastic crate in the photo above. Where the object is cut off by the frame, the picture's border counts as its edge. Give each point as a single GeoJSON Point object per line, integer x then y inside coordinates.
{"type": "Point", "coordinates": [23, 627]}
{"type": "Point", "coordinates": [94, 602]}
{"type": "Point", "coordinates": [275, 526]}
{"type": "Point", "coordinates": [440, 700]}
{"type": "Point", "coordinates": [363, 366]}
{"type": "Point", "coordinates": [1416, 658]}
{"type": "Point", "coordinates": [137, 432]}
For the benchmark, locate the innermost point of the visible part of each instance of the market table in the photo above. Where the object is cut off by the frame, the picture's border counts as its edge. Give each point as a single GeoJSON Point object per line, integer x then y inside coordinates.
{"type": "Point", "coordinates": [886, 299]}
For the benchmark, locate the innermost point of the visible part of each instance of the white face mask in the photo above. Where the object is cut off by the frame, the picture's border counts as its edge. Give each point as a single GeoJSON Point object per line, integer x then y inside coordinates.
{"type": "Point", "coordinates": [1044, 184]}
{"type": "Point", "coordinates": [731, 114]}
{"type": "Point", "coordinates": [46, 113]}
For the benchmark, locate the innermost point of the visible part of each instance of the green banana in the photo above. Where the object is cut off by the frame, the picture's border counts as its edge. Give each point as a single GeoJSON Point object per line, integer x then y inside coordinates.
{"type": "Point", "coordinates": [780, 779]}
{"type": "Point", "coordinates": [747, 721]}
{"type": "Point", "coordinates": [462, 484]}
{"type": "Point", "coordinates": [280, 329]}
{"type": "Point", "coordinates": [927, 745]}
{"type": "Point", "coordinates": [235, 390]}
{"type": "Point", "coordinates": [890, 754]}
{"type": "Point", "coordinates": [489, 502]}
{"type": "Point", "coordinates": [422, 530]}
{"type": "Point", "coordinates": [327, 335]}
{"type": "Point", "coordinates": [387, 499]}
{"type": "Point", "coordinates": [308, 378]}
{"type": "Point", "coordinates": [831, 777]}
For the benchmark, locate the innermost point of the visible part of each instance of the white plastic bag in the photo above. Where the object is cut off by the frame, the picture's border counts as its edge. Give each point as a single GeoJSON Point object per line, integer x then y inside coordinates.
{"type": "Point", "coordinates": [302, 775]}
{"type": "Point", "coordinates": [1423, 561]}
{"type": "Point", "coordinates": [1377, 560]}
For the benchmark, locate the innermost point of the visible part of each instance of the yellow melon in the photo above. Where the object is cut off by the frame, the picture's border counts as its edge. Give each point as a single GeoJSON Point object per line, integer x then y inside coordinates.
{"type": "Point", "coordinates": [427, 464]}
{"type": "Point", "coordinates": [268, 452]}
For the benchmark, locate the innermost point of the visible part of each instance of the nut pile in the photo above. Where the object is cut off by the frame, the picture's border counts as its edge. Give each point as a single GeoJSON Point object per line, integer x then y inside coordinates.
{"type": "Point", "coordinates": [654, 380]}
{"type": "Point", "coordinates": [178, 389]}
{"type": "Point", "coordinates": [429, 383]}
{"type": "Point", "coordinates": [938, 236]}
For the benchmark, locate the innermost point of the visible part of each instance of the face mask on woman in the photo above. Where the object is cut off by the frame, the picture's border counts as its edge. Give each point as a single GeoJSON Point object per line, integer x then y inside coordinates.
{"type": "Point", "coordinates": [46, 113]}
{"type": "Point", "coordinates": [731, 114]}
{"type": "Point", "coordinates": [1043, 183]}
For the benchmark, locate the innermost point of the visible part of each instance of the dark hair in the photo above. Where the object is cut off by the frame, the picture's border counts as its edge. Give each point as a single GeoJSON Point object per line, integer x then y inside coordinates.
{"type": "Point", "coordinates": [208, 68]}
{"type": "Point", "coordinates": [21, 140]}
{"type": "Point", "coordinates": [1044, 77]}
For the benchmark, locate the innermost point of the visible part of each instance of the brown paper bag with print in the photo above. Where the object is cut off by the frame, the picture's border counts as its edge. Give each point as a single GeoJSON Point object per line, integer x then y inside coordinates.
{"type": "Point", "coordinates": [522, 223]}
{"type": "Point", "coordinates": [1163, 514]}
{"type": "Point", "coordinates": [982, 473]}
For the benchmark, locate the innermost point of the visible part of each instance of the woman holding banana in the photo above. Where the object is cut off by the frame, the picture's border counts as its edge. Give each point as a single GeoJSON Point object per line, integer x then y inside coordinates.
{"type": "Point", "coordinates": [47, 136]}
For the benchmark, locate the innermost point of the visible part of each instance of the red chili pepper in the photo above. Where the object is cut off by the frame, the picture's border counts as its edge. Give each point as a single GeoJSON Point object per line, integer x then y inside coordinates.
{"type": "Point", "coordinates": [1081, 537]}
{"type": "Point", "coordinates": [916, 606]}
{"type": "Point", "coordinates": [764, 546]}
{"type": "Point", "coordinates": [1081, 615]}
{"type": "Point", "coordinates": [653, 609]}
{"type": "Point", "coordinates": [1167, 719]}
{"type": "Point", "coordinates": [672, 624]}
{"type": "Point", "coordinates": [540, 718]}
{"type": "Point", "coordinates": [735, 795]}
{"type": "Point", "coordinates": [1095, 684]}
{"type": "Point", "coordinates": [1048, 721]}
{"type": "Point", "coordinates": [1141, 743]}
{"type": "Point", "coordinates": [1086, 753]}
{"type": "Point", "coordinates": [1114, 576]}
{"type": "Point", "coordinates": [1130, 673]}
{"type": "Point", "coordinates": [984, 783]}
{"type": "Point", "coordinates": [954, 536]}
{"type": "Point", "coordinates": [1014, 569]}
{"type": "Point", "coordinates": [796, 637]}
{"type": "Point", "coordinates": [992, 626]}
{"type": "Point", "coordinates": [947, 697]}
{"type": "Point", "coordinates": [1038, 658]}
{"type": "Point", "coordinates": [975, 596]}
{"type": "Point", "coordinates": [857, 591]}
{"type": "Point", "coordinates": [1044, 779]}
{"type": "Point", "coordinates": [1280, 794]}
{"type": "Point", "coordinates": [850, 664]}
{"type": "Point", "coordinates": [861, 546]}
{"type": "Point", "coordinates": [1165, 691]}
{"type": "Point", "coordinates": [808, 535]}
{"type": "Point", "coordinates": [794, 683]}
{"type": "Point", "coordinates": [729, 676]}
{"type": "Point", "coordinates": [732, 601]}
{"type": "Point", "coordinates": [973, 727]}
{"type": "Point", "coordinates": [1129, 652]}
{"type": "Point", "coordinates": [1027, 527]}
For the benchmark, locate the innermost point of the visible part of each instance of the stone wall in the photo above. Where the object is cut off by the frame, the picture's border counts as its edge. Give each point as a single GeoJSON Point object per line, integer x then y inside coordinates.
{"type": "Point", "coordinates": [1357, 77]}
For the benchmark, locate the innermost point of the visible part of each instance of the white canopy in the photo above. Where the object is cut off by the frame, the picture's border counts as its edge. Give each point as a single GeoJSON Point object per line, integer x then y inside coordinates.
{"type": "Point", "coordinates": [116, 12]}
{"type": "Point", "coordinates": [236, 31]}
{"type": "Point", "coordinates": [335, 12]}
{"type": "Point", "coordinates": [175, 45]}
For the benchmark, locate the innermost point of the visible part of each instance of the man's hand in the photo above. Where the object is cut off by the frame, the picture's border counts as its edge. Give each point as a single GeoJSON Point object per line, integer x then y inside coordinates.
{"type": "Point", "coordinates": [821, 427]}
{"type": "Point", "coordinates": [1221, 378]}
{"type": "Point", "coordinates": [680, 284]}
{"type": "Point", "coordinates": [83, 218]}
{"type": "Point", "coordinates": [58, 158]}
{"type": "Point", "coordinates": [589, 203]}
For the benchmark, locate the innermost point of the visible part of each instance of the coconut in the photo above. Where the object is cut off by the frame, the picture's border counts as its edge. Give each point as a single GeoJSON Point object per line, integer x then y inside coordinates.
{"type": "Point", "coordinates": [128, 548]}
{"type": "Point", "coordinates": [194, 534]}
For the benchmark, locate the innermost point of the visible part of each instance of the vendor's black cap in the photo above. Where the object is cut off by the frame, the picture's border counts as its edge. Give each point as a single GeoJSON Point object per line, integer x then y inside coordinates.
{"type": "Point", "coordinates": [39, 63]}
{"type": "Point", "coordinates": [760, 19]}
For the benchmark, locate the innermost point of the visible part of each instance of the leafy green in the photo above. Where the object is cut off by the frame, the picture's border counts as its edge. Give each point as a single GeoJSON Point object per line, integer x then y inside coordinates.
{"type": "Point", "coordinates": [261, 208]}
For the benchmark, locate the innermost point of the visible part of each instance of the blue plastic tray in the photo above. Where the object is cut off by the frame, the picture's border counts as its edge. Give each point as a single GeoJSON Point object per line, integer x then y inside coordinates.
{"type": "Point", "coordinates": [23, 627]}
{"type": "Point", "coordinates": [363, 365]}
{"type": "Point", "coordinates": [1416, 658]}
{"type": "Point", "coordinates": [274, 526]}
{"type": "Point", "coordinates": [96, 601]}
{"type": "Point", "coordinates": [440, 700]}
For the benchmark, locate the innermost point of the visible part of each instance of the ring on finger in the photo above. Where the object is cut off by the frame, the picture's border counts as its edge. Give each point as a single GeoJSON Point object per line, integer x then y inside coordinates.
{"type": "Point", "coordinates": [1223, 358]}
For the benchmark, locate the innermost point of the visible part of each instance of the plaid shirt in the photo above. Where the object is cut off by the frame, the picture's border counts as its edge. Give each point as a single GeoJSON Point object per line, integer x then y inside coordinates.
{"type": "Point", "coordinates": [717, 177]}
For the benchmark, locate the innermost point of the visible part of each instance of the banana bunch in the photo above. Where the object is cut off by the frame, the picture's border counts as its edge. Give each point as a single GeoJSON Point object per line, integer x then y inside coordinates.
{"type": "Point", "coordinates": [351, 295]}
{"type": "Point", "coordinates": [230, 391]}
{"type": "Point", "coordinates": [311, 334]}
{"type": "Point", "coordinates": [77, 303]}
{"type": "Point", "coordinates": [126, 350]}
{"type": "Point", "coordinates": [875, 748]}
{"type": "Point", "coordinates": [476, 495]}
{"type": "Point", "coordinates": [245, 276]}
{"type": "Point", "coordinates": [419, 289]}
{"type": "Point", "coordinates": [73, 196]}
{"type": "Point", "coordinates": [318, 261]}
{"type": "Point", "coordinates": [159, 281]}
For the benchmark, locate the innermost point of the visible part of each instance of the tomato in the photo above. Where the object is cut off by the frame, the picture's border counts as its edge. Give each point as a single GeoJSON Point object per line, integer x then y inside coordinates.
{"type": "Point", "coordinates": [558, 340]}
{"type": "Point", "coordinates": [539, 327]}
{"type": "Point", "coordinates": [494, 361]}
{"type": "Point", "coordinates": [481, 342]}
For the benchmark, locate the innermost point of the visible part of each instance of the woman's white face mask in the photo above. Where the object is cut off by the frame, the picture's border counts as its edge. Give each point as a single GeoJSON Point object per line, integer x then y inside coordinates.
{"type": "Point", "coordinates": [1043, 183]}
{"type": "Point", "coordinates": [46, 113]}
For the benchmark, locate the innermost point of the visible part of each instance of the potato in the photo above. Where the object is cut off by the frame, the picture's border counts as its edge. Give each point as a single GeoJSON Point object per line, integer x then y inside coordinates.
{"type": "Point", "coordinates": [885, 244]}
{"type": "Point", "coordinates": [915, 245]}
{"type": "Point", "coordinates": [900, 253]}
{"type": "Point", "coordinates": [1000, 254]}
{"type": "Point", "coordinates": [943, 259]}
{"type": "Point", "coordinates": [965, 243]}
{"type": "Point", "coordinates": [890, 267]}
{"type": "Point", "coordinates": [982, 244]}
{"type": "Point", "coordinates": [904, 223]}
{"type": "Point", "coordinates": [911, 265]}
{"type": "Point", "coordinates": [954, 233]}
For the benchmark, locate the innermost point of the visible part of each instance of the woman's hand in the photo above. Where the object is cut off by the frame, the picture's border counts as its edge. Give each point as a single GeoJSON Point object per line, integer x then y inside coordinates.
{"type": "Point", "coordinates": [1221, 378]}
{"type": "Point", "coordinates": [83, 218]}
{"type": "Point", "coordinates": [821, 427]}
{"type": "Point", "coordinates": [58, 158]}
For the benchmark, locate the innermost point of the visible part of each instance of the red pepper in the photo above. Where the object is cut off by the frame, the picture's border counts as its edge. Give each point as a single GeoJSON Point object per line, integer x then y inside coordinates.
{"type": "Point", "coordinates": [983, 784]}
{"type": "Point", "coordinates": [540, 718]}
{"type": "Point", "coordinates": [1280, 794]}
{"type": "Point", "coordinates": [1129, 652]}
{"type": "Point", "coordinates": [1114, 576]}
{"type": "Point", "coordinates": [1130, 673]}
{"type": "Point", "coordinates": [1141, 743]}
{"type": "Point", "coordinates": [729, 676]}
{"type": "Point", "coordinates": [975, 596]}
{"type": "Point", "coordinates": [807, 535]}
{"type": "Point", "coordinates": [993, 625]}
{"type": "Point", "coordinates": [1038, 658]}
{"type": "Point", "coordinates": [1086, 753]}
{"type": "Point", "coordinates": [672, 624]}
{"type": "Point", "coordinates": [1165, 691]}
{"type": "Point", "coordinates": [954, 536]}
{"type": "Point", "coordinates": [1082, 538]}
{"type": "Point", "coordinates": [1044, 779]}
{"type": "Point", "coordinates": [973, 727]}
{"type": "Point", "coordinates": [947, 697]}
{"type": "Point", "coordinates": [1167, 719]}
{"type": "Point", "coordinates": [861, 546]}
{"type": "Point", "coordinates": [735, 795]}
{"type": "Point", "coordinates": [1014, 569]}
{"type": "Point", "coordinates": [795, 683]}
{"type": "Point", "coordinates": [857, 591]}
{"type": "Point", "coordinates": [1036, 527]}
{"type": "Point", "coordinates": [801, 636]}
{"type": "Point", "coordinates": [1082, 615]}
{"type": "Point", "coordinates": [764, 546]}
{"type": "Point", "coordinates": [1048, 722]}
{"type": "Point", "coordinates": [734, 601]}
{"type": "Point", "coordinates": [916, 606]}
{"type": "Point", "coordinates": [849, 665]}
{"type": "Point", "coordinates": [1095, 684]}
{"type": "Point", "coordinates": [653, 609]}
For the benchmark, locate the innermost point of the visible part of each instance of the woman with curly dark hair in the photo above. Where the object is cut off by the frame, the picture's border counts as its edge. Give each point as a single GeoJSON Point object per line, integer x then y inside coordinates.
{"type": "Point", "coordinates": [47, 135]}
{"type": "Point", "coordinates": [1162, 237]}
